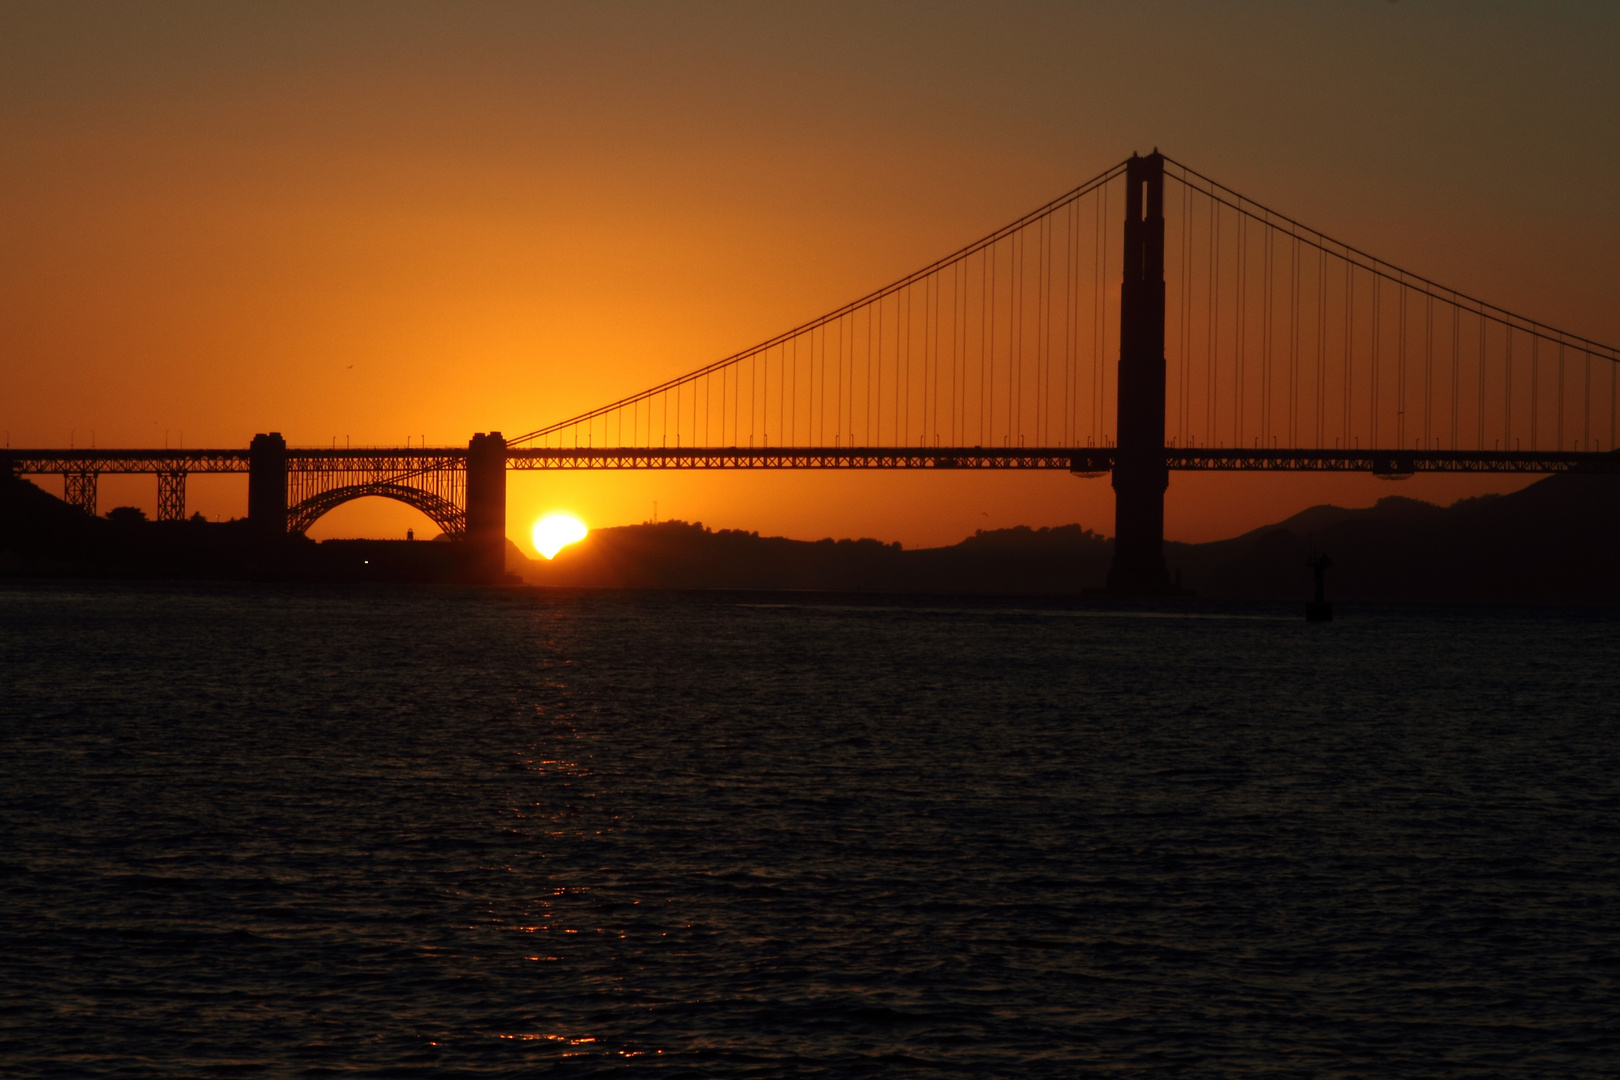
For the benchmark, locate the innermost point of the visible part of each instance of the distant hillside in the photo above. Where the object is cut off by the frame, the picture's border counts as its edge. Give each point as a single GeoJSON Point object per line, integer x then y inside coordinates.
{"type": "Point", "coordinates": [678, 555]}
{"type": "Point", "coordinates": [1557, 541]}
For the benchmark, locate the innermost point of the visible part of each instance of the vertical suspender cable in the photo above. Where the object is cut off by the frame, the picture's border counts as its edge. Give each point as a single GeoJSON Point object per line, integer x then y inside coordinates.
{"type": "Point", "coordinates": [1185, 309]}
{"type": "Point", "coordinates": [902, 365]}
{"type": "Point", "coordinates": [1586, 401]}
{"type": "Point", "coordinates": [1186, 316]}
{"type": "Point", "coordinates": [1212, 361]}
{"type": "Point", "coordinates": [1242, 326]}
{"type": "Point", "coordinates": [1043, 333]}
{"type": "Point", "coordinates": [812, 369]}
{"type": "Point", "coordinates": [1102, 368]}
{"type": "Point", "coordinates": [1069, 254]}
{"type": "Point", "coordinates": [1377, 342]}
{"type": "Point", "coordinates": [930, 383]}
{"type": "Point", "coordinates": [955, 399]}
{"type": "Point", "coordinates": [1293, 343]}
{"type": "Point", "coordinates": [1072, 391]}
{"type": "Point", "coordinates": [845, 435]}
{"type": "Point", "coordinates": [1268, 265]}
{"type": "Point", "coordinates": [961, 345]}
{"type": "Point", "coordinates": [1214, 318]}
{"type": "Point", "coordinates": [1480, 396]}
{"type": "Point", "coordinates": [1560, 395]}
{"type": "Point", "coordinates": [1457, 355]}
{"type": "Point", "coordinates": [866, 383]}
{"type": "Point", "coordinates": [990, 360]}
{"type": "Point", "coordinates": [1100, 244]}
{"type": "Point", "coordinates": [1349, 342]}
{"type": "Point", "coordinates": [1507, 424]}
{"type": "Point", "coordinates": [1535, 383]}
{"type": "Point", "coordinates": [1015, 338]}
{"type": "Point", "coordinates": [1428, 369]}
{"type": "Point", "coordinates": [1043, 418]}
{"type": "Point", "coordinates": [1321, 387]}
{"type": "Point", "coordinates": [1400, 367]}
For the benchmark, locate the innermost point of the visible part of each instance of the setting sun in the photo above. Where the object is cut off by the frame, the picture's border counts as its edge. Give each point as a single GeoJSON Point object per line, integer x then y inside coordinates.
{"type": "Point", "coordinates": [554, 532]}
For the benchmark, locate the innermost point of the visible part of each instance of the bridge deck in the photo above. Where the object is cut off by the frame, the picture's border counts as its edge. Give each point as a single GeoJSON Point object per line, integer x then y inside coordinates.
{"type": "Point", "coordinates": [415, 461]}
{"type": "Point", "coordinates": [1088, 460]}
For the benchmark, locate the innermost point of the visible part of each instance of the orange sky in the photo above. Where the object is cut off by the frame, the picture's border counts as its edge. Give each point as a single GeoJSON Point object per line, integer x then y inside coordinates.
{"type": "Point", "coordinates": [379, 221]}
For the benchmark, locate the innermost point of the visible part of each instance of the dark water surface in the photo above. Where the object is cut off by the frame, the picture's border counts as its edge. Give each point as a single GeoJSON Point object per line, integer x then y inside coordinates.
{"type": "Point", "coordinates": [394, 832]}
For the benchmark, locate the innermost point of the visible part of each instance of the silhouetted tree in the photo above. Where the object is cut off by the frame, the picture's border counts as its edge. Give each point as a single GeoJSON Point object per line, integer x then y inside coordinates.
{"type": "Point", "coordinates": [126, 515]}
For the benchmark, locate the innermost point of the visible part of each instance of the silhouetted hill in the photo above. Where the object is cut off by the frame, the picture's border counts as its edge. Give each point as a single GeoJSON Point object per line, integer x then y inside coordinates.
{"type": "Point", "coordinates": [675, 554]}
{"type": "Point", "coordinates": [1556, 541]}
{"type": "Point", "coordinates": [42, 536]}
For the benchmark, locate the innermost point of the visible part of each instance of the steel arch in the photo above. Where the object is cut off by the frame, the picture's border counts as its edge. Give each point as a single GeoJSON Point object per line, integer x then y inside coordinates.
{"type": "Point", "coordinates": [445, 514]}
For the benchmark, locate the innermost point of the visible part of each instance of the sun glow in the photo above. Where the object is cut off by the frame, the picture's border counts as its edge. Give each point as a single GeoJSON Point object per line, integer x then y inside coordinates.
{"type": "Point", "coordinates": [554, 532]}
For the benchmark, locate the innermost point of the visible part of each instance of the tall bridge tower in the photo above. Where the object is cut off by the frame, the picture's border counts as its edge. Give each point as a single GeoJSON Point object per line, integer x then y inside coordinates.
{"type": "Point", "coordinates": [1141, 473]}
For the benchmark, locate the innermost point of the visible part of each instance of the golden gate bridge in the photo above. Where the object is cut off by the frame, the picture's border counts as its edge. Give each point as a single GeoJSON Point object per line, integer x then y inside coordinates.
{"type": "Point", "coordinates": [1150, 320]}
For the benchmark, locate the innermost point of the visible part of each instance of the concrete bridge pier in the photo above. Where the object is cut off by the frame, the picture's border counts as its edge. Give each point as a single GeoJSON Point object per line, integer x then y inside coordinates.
{"type": "Point", "coordinates": [486, 508]}
{"type": "Point", "coordinates": [1140, 472]}
{"type": "Point", "coordinates": [267, 484]}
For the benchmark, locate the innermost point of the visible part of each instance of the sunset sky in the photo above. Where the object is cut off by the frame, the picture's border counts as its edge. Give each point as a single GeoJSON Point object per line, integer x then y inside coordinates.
{"type": "Point", "coordinates": [374, 222]}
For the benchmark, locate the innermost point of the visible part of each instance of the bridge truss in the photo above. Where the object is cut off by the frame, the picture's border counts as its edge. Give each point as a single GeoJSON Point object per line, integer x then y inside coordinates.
{"type": "Point", "coordinates": [1085, 461]}
{"type": "Point", "coordinates": [432, 480]}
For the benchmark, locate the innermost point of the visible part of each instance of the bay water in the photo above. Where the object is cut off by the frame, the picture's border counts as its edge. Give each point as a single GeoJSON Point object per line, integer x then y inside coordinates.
{"type": "Point", "coordinates": [281, 831]}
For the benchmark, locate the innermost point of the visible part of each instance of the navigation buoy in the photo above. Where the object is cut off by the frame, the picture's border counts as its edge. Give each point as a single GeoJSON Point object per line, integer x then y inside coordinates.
{"type": "Point", "coordinates": [1319, 610]}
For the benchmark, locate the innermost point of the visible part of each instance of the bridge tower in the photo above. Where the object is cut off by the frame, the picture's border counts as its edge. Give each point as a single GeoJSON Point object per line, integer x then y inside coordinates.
{"type": "Point", "coordinates": [486, 507]}
{"type": "Point", "coordinates": [1140, 472]}
{"type": "Point", "coordinates": [267, 483]}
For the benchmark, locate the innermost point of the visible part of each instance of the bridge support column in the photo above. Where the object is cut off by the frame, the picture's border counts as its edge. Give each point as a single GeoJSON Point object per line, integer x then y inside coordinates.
{"type": "Point", "coordinates": [486, 507]}
{"type": "Point", "coordinates": [267, 483]}
{"type": "Point", "coordinates": [79, 489]}
{"type": "Point", "coordinates": [171, 503]}
{"type": "Point", "coordinates": [1140, 473]}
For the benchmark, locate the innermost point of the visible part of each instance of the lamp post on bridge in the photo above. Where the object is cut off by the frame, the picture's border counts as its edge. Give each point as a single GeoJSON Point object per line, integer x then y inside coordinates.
{"type": "Point", "coordinates": [1140, 472]}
